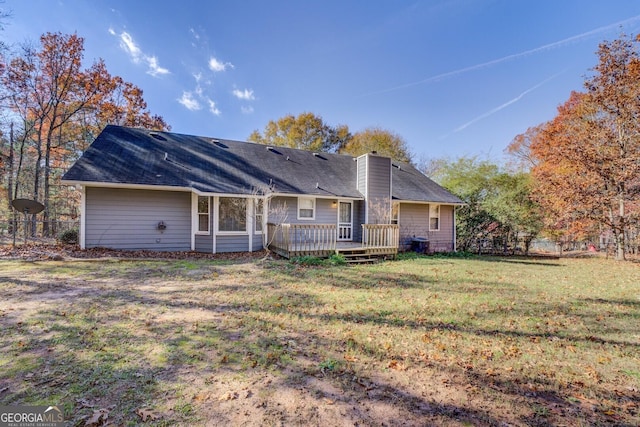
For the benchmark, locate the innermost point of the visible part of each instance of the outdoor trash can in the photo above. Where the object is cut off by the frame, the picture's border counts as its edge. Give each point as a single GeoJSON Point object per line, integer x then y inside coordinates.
{"type": "Point", "coordinates": [420, 244]}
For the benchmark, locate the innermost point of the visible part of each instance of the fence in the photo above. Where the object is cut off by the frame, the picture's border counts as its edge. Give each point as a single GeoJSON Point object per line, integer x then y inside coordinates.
{"type": "Point", "coordinates": [35, 229]}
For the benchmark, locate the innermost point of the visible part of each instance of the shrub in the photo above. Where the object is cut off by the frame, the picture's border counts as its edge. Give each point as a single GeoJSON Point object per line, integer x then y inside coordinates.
{"type": "Point", "coordinates": [336, 259]}
{"type": "Point", "coordinates": [69, 237]}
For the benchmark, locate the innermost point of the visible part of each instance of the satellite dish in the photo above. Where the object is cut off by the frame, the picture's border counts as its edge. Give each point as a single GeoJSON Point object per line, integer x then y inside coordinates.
{"type": "Point", "coordinates": [27, 206]}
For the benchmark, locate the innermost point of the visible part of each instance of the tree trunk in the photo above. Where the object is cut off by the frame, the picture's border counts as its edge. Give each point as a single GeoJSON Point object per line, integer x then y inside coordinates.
{"type": "Point", "coordinates": [10, 168]}
{"type": "Point", "coordinates": [619, 232]}
{"type": "Point", "coordinates": [47, 177]}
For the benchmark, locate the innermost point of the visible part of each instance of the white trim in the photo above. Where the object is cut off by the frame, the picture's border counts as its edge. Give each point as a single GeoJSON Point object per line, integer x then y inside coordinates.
{"type": "Point", "coordinates": [391, 189]}
{"type": "Point", "coordinates": [315, 207]}
{"type": "Point", "coordinates": [255, 222]}
{"type": "Point", "coordinates": [83, 217]}
{"type": "Point", "coordinates": [194, 220]}
{"type": "Point", "coordinates": [249, 220]}
{"type": "Point", "coordinates": [128, 186]}
{"type": "Point", "coordinates": [214, 224]}
{"type": "Point", "coordinates": [315, 196]}
{"type": "Point", "coordinates": [455, 238]}
{"type": "Point", "coordinates": [366, 189]}
{"type": "Point", "coordinates": [396, 202]}
{"type": "Point", "coordinates": [422, 202]}
{"type": "Point", "coordinates": [439, 215]}
{"type": "Point", "coordinates": [338, 217]}
{"type": "Point", "coordinates": [196, 215]}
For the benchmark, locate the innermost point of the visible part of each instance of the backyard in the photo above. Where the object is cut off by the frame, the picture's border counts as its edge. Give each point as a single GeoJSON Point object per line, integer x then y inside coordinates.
{"type": "Point", "coordinates": [249, 341]}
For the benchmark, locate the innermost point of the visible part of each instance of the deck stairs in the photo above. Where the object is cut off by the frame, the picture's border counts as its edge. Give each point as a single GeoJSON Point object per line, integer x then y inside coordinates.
{"type": "Point", "coordinates": [360, 255]}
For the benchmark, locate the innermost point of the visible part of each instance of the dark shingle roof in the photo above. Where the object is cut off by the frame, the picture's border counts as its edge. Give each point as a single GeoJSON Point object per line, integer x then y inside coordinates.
{"type": "Point", "coordinates": [128, 156]}
{"type": "Point", "coordinates": [410, 184]}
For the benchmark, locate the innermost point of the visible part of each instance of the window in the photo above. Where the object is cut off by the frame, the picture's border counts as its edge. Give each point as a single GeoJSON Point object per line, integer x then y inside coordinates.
{"type": "Point", "coordinates": [203, 215]}
{"type": "Point", "coordinates": [434, 217]}
{"type": "Point", "coordinates": [306, 208]}
{"type": "Point", "coordinates": [258, 215]}
{"type": "Point", "coordinates": [395, 212]}
{"type": "Point", "coordinates": [232, 215]}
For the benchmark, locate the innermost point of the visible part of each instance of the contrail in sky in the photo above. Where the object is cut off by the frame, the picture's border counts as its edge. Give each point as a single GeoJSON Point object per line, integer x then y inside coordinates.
{"type": "Point", "coordinates": [506, 104]}
{"type": "Point", "coordinates": [510, 57]}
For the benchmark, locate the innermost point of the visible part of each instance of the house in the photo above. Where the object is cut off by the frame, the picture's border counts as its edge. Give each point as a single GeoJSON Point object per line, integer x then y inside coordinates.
{"type": "Point", "coordinates": [165, 191]}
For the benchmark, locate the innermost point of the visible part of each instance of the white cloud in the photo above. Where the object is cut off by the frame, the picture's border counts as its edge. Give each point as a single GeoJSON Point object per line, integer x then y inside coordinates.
{"type": "Point", "coordinates": [246, 110]}
{"type": "Point", "coordinates": [215, 65]}
{"type": "Point", "coordinates": [128, 45]}
{"type": "Point", "coordinates": [213, 109]}
{"type": "Point", "coordinates": [137, 55]}
{"type": "Point", "coordinates": [154, 68]}
{"type": "Point", "coordinates": [189, 102]}
{"type": "Point", "coordinates": [246, 94]}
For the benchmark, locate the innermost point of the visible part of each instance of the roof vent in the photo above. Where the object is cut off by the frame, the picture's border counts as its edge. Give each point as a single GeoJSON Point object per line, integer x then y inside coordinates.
{"type": "Point", "coordinates": [157, 136]}
{"type": "Point", "coordinates": [396, 166]}
{"type": "Point", "coordinates": [316, 154]}
{"type": "Point", "coordinates": [215, 141]}
{"type": "Point", "coordinates": [269, 148]}
{"type": "Point", "coordinates": [166, 156]}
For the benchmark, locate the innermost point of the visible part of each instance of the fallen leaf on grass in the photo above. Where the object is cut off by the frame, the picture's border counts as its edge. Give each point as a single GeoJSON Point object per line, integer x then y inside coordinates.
{"type": "Point", "coordinates": [147, 414]}
{"type": "Point", "coordinates": [99, 418]}
{"type": "Point", "coordinates": [201, 397]}
{"type": "Point", "coordinates": [228, 396]}
{"type": "Point", "coordinates": [398, 366]}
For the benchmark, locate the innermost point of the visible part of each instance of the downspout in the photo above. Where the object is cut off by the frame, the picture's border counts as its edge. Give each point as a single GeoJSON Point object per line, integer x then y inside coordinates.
{"type": "Point", "coordinates": [83, 217]}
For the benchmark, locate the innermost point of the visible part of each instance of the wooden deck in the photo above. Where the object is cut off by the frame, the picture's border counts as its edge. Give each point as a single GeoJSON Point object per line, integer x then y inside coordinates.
{"type": "Point", "coordinates": [294, 240]}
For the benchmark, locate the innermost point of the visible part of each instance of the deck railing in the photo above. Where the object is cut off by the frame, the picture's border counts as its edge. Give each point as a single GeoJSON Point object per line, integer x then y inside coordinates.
{"type": "Point", "coordinates": [380, 236]}
{"type": "Point", "coordinates": [290, 240]}
{"type": "Point", "coordinates": [302, 239]}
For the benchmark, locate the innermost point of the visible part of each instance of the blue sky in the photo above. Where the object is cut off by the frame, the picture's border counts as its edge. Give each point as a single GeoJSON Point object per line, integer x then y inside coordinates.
{"type": "Point", "coordinates": [452, 77]}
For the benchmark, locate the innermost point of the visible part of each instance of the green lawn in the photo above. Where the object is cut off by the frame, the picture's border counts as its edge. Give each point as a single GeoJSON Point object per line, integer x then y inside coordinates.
{"type": "Point", "coordinates": [444, 341]}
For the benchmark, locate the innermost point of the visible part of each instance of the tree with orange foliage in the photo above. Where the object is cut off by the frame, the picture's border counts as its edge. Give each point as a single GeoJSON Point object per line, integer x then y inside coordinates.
{"type": "Point", "coordinates": [49, 93]}
{"type": "Point", "coordinates": [587, 159]}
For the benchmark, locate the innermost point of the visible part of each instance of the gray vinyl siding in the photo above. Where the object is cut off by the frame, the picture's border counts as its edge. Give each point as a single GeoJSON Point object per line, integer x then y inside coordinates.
{"type": "Point", "coordinates": [204, 243]}
{"type": "Point", "coordinates": [374, 181]}
{"type": "Point", "coordinates": [325, 212]}
{"type": "Point", "coordinates": [232, 243]}
{"type": "Point", "coordinates": [378, 177]}
{"type": "Point", "coordinates": [362, 174]}
{"type": "Point", "coordinates": [444, 237]}
{"type": "Point", "coordinates": [414, 222]}
{"type": "Point", "coordinates": [257, 242]}
{"type": "Point", "coordinates": [128, 219]}
{"type": "Point", "coordinates": [358, 220]}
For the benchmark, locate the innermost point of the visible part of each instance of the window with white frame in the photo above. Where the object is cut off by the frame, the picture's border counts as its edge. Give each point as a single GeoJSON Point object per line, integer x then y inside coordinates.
{"type": "Point", "coordinates": [434, 217]}
{"type": "Point", "coordinates": [306, 208]}
{"type": "Point", "coordinates": [204, 209]}
{"type": "Point", "coordinates": [395, 212]}
{"type": "Point", "coordinates": [232, 215]}
{"type": "Point", "coordinates": [258, 214]}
